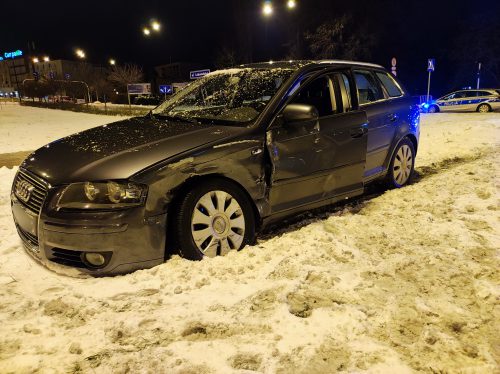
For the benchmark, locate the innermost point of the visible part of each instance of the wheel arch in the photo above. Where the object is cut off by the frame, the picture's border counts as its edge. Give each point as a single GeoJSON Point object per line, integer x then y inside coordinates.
{"type": "Point", "coordinates": [488, 105]}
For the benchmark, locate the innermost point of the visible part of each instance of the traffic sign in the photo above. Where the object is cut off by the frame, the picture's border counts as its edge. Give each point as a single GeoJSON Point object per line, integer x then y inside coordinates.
{"type": "Point", "coordinates": [139, 89]}
{"type": "Point", "coordinates": [196, 74]}
{"type": "Point", "coordinates": [431, 64]}
{"type": "Point", "coordinates": [166, 89]}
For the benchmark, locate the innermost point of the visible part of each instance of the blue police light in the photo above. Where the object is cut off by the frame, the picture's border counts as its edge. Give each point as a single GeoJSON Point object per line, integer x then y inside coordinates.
{"type": "Point", "coordinates": [425, 105]}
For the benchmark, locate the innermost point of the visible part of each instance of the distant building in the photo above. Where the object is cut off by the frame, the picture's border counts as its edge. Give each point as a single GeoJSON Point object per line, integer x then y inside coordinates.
{"type": "Point", "coordinates": [15, 70]}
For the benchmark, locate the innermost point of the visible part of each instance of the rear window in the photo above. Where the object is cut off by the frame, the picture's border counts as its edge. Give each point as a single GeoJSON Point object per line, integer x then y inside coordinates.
{"type": "Point", "coordinates": [368, 88]}
{"type": "Point", "coordinates": [389, 84]}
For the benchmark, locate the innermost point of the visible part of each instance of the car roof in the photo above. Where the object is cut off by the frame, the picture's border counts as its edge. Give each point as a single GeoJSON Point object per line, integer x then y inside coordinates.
{"type": "Point", "coordinates": [296, 64]}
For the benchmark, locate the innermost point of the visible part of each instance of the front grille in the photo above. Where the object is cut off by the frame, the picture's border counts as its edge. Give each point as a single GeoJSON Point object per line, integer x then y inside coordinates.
{"type": "Point", "coordinates": [38, 193]}
{"type": "Point", "coordinates": [67, 257]}
{"type": "Point", "coordinates": [30, 241]}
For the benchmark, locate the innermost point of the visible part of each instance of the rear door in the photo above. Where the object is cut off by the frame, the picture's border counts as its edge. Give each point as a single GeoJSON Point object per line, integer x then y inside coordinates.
{"type": "Point", "coordinates": [381, 120]}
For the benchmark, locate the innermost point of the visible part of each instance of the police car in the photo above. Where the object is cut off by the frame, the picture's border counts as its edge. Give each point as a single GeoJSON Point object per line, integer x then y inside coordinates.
{"type": "Point", "coordinates": [483, 100]}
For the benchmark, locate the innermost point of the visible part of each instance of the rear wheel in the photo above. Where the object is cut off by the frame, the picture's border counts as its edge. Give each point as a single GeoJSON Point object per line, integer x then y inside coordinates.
{"type": "Point", "coordinates": [214, 218]}
{"type": "Point", "coordinates": [483, 108]}
{"type": "Point", "coordinates": [402, 165]}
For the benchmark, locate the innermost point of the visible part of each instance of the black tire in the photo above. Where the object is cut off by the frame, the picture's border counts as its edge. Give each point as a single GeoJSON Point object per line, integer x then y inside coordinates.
{"type": "Point", "coordinates": [433, 109]}
{"type": "Point", "coordinates": [483, 108]}
{"type": "Point", "coordinates": [392, 179]}
{"type": "Point", "coordinates": [182, 223]}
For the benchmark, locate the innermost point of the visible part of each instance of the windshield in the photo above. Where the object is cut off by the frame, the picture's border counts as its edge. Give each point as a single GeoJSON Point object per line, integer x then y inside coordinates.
{"type": "Point", "coordinates": [232, 97]}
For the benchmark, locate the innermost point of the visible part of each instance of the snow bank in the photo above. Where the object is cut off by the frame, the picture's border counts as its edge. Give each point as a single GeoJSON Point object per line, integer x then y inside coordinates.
{"type": "Point", "coordinates": [394, 282]}
{"type": "Point", "coordinates": [24, 128]}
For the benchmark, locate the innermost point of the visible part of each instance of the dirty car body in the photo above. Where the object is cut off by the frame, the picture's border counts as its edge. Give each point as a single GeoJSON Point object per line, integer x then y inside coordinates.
{"type": "Point", "coordinates": [295, 136]}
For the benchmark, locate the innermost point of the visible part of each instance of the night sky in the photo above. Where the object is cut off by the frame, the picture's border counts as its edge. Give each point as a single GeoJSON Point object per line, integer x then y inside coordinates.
{"type": "Point", "coordinates": [196, 31]}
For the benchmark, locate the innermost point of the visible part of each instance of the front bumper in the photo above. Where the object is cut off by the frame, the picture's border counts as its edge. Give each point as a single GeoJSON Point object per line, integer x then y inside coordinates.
{"type": "Point", "coordinates": [128, 238]}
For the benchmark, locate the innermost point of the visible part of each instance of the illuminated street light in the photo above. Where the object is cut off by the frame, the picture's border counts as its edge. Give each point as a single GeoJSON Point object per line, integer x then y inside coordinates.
{"type": "Point", "coordinates": [267, 9]}
{"type": "Point", "coordinates": [35, 59]}
{"type": "Point", "coordinates": [46, 59]}
{"type": "Point", "coordinates": [80, 53]}
{"type": "Point", "coordinates": [291, 4]}
{"type": "Point", "coordinates": [155, 26]}
{"type": "Point", "coordinates": [146, 31]}
{"type": "Point", "coordinates": [112, 62]}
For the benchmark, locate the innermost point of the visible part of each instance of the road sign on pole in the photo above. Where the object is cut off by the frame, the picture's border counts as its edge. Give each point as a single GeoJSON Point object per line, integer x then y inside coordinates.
{"type": "Point", "coordinates": [166, 89]}
{"type": "Point", "coordinates": [393, 66]}
{"type": "Point", "coordinates": [196, 74]}
{"type": "Point", "coordinates": [431, 65]}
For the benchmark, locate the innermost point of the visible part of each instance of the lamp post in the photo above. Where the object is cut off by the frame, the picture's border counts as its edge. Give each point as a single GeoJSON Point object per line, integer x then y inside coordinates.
{"type": "Point", "coordinates": [81, 55]}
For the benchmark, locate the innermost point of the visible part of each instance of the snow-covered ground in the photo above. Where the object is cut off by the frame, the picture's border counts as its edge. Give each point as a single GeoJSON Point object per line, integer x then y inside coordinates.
{"type": "Point", "coordinates": [403, 281]}
{"type": "Point", "coordinates": [24, 128]}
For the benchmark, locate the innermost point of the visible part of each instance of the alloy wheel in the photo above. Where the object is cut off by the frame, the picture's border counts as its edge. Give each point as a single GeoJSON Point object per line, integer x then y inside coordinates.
{"type": "Point", "coordinates": [217, 223]}
{"type": "Point", "coordinates": [402, 165]}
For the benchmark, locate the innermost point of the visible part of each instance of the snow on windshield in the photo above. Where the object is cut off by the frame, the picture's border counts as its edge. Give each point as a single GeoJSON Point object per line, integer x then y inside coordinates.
{"type": "Point", "coordinates": [229, 96]}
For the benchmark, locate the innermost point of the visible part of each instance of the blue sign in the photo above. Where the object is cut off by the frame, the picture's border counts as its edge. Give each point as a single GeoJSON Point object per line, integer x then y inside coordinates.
{"type": "Point", "coordinates": [198, 73]}
{"type": "Point", "coordinates": [431, 64]}
{"type": "Point", "coordinates": [13, 54]}
{"type": "Point", "coordinates": [166, 89]}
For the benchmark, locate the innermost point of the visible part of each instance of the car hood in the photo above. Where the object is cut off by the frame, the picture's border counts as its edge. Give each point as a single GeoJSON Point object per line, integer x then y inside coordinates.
{"type": "Point", "coordinates": [120, 149]}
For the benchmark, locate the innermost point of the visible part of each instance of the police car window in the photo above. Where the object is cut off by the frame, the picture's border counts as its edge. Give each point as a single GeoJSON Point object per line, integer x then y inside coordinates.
{"type": "Point", "coordinates": [460, 95]}
{"type": "Point", "coordinates": [484, 93]}
{"type": "Point", "coordinates": [390, 85]}
{"type": "Point", "coordinates": [317, 94]}
{"type": "Point", "coordinates": [471, 93]}
{"type": "Point", "coordinates": [368, 88]}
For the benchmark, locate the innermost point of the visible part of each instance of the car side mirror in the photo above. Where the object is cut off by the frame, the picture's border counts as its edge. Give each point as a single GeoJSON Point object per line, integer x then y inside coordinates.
{"type": "Point", "coordinates": [299, 113]}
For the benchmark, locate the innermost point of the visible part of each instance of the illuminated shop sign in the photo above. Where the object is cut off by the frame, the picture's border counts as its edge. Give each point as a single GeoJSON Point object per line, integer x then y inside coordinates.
{"type": "Point", "coordinates": [13, 54]}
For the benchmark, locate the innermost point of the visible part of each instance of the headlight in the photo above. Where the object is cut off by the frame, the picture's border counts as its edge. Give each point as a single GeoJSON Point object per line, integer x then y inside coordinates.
{"type": "Point", "coordinates": [102, 195]}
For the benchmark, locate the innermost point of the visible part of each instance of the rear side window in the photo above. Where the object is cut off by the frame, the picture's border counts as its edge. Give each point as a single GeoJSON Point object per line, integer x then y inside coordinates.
{"type": "Point", "coordinates": [389, 84]}
{"type": "Point", "coordinates": [484, 93]}
{"type": "Point", "coordinates": [368, 88]}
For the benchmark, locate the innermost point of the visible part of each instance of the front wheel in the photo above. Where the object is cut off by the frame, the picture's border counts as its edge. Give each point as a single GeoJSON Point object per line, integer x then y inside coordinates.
{"type": "Point", "coordinates": [214, 218]}
{"type": "Point", "coordinates": [433, 109]}
{"type": "Point", "coordinates": [402, 165]}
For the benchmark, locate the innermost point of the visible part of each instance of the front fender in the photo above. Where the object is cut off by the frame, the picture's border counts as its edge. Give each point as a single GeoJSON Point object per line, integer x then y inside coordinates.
{"type": "Point", "coordinates": [238, 160]}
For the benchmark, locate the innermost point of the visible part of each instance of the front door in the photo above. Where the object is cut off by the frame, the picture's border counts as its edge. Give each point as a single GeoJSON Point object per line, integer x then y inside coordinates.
{"type": "Point", "coordinates": [320, 159]}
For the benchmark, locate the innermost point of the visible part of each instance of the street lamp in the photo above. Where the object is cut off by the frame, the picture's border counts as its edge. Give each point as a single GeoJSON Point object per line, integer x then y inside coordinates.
{"type": "Point", "coordinates": [112, 62]}
{"type": "Point", "coordinates": [146, 31]}
{"type": "Point", "coordinates": [155, 26]}
{"type": "Point", "coordinates": [267, 9]}
{"type": "Point", "coordinates": [80, 53]}
{"type": "Point", "coordinates": [291, 4]}
{"type": "Point", "coordinates": [35, 60]}
{"type": "Point", "coordinates": [46, 59]}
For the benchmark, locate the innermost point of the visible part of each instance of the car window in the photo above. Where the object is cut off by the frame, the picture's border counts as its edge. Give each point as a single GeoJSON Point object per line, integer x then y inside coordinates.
{"type": "Point", "coordinates": [317, 93]}
{"type": "Point", "coordinates": [484, 93]}
{"type": "Point", "coordinates": [470, 93]}
{"type": "Point", "coordinates": [460, 95]}
{"type": "Point", "coordinates": [368, 88]}
{"type": "Point", "coordinates": [390, 84]}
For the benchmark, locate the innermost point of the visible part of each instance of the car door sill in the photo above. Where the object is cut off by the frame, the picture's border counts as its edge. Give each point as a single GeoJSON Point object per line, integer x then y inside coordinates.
{"type": "Point", "coordinates": [276, 216]}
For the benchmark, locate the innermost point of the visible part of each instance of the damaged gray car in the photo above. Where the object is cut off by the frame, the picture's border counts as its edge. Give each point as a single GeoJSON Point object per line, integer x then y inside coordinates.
{"type": "Point", "coordinates": [206, 170]}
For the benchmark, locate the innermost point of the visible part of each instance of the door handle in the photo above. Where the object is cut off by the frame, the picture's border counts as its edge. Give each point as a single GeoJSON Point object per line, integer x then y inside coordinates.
{"type": "Point", "coordinates": [357, 132]}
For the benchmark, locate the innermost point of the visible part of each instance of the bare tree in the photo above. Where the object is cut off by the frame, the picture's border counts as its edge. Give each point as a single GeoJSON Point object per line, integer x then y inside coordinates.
{"type": "Point", "coordinates": [340, 38]}
{"type": "Point", "coordinates": [121, 75]}
{"type": "Point", "coordinates": [226, 57]}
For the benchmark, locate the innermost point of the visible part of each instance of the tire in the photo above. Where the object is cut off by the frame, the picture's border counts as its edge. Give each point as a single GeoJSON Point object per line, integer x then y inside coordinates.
{"type": "Point", "coordinates": [483, 108]}
{"type": "Point", "coordinates": [400, 173]}
{"type": "Point", "coordinates": [433, 109]}
{"type": "Point", "coordinates": [214, 217]}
